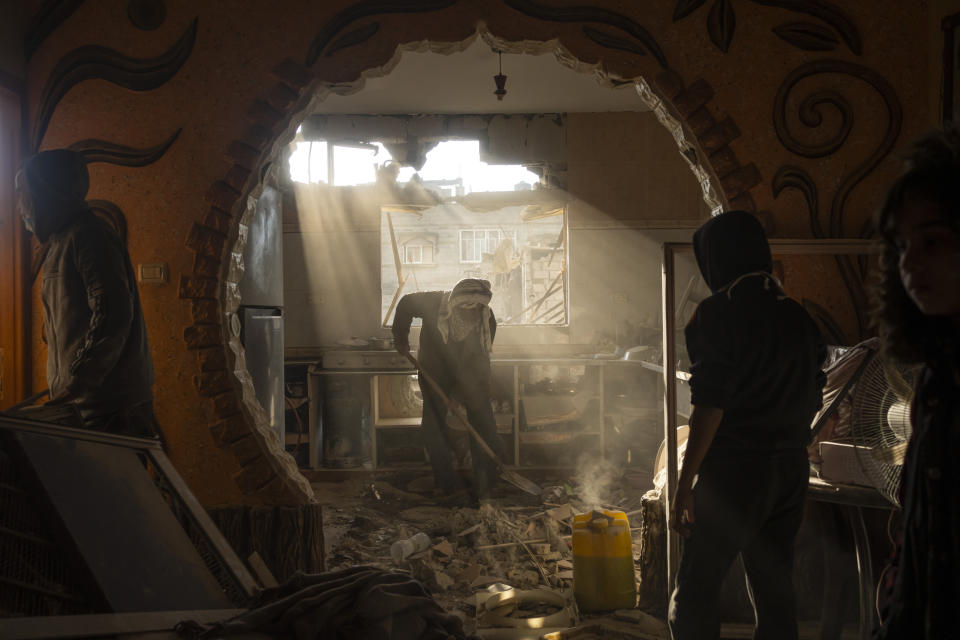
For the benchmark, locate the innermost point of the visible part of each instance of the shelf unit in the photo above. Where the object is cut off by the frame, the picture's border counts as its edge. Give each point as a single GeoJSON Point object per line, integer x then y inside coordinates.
{"type": "Point", "coordinates": [512, 390]}
{"type": "Point", "coordinates": [593, 396]}
{"type": "Point", "coordinates": [546, 437]}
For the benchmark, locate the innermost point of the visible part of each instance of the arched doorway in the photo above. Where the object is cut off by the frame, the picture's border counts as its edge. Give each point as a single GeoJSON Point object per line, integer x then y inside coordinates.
{"type": "Point", "coordinates": [667, 119]}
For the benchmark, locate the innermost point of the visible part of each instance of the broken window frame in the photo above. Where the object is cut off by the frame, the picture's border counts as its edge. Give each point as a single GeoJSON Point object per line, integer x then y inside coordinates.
{"type": "Point", "coordinates": [556, 316]}
{"type": "Point", "coordinates": [481, 245]}
{"type": "Point", "coordinates": [329, 149]}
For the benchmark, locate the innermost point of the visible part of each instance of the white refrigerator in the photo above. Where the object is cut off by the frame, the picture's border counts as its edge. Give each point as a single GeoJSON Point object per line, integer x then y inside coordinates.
{"type": "Point", "coordinates": [261, 307]}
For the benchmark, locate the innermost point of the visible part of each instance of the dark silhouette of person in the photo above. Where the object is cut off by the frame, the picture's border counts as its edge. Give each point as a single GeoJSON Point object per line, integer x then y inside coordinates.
{"type": "Point", "coordinates": [918, 316]}
{"type": "Point", "coordinates": [756, 383]}
{"type": "Point", "coordinates": [98, 358]}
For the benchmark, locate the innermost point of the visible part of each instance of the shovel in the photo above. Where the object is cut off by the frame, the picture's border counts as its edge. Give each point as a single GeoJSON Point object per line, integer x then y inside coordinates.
{"type": "Point", "coordinates": [505, 474]}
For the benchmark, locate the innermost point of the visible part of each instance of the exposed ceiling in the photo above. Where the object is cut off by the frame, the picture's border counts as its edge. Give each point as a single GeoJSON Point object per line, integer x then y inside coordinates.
{"type": "Point", "coordinates": [462, 82]}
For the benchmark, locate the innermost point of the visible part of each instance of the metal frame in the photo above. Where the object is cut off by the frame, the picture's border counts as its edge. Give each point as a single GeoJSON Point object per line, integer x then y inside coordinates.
{"type": "Point", "coordinates": [827, 247]}
{"type": "Point", "coordinates": [97, 624]}
{"type": "Point", "coordinates": [107, 624]}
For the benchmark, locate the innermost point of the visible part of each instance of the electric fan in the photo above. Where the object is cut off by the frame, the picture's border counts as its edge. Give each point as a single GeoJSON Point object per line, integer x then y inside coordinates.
{"type": "Point", "coordinates": [869, 440]}
{"type": "Point", "coordinates": [880, 423]}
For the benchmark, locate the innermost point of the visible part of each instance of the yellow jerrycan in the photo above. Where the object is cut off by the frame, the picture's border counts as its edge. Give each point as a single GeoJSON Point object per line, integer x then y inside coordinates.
{"type": "Point", "coordinates": [603, 577]}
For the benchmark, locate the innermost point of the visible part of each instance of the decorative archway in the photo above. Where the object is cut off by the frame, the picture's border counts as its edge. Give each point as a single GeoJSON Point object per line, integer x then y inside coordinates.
{"type": "Point", "coordinates": [212, 288]}
{"type": "Point", "coordinates": [778, 85]}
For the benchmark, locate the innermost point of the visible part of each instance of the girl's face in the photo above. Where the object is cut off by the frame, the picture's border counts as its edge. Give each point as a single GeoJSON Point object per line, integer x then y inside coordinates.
{"type": "Point", "coordinates": [929, 259]}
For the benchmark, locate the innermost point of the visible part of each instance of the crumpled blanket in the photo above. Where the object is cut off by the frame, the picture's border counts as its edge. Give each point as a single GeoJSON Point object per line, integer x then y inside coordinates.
{"type": "Point", "coordinates": [358, 603]}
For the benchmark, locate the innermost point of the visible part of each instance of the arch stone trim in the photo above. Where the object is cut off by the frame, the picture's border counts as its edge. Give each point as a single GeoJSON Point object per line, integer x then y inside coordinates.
{"type": "Point", "coordinates": [267, 472]}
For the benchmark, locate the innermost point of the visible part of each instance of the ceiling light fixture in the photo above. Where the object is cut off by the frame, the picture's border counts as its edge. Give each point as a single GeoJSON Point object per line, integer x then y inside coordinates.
{"type": "Point", "coordinates": [500, 79]}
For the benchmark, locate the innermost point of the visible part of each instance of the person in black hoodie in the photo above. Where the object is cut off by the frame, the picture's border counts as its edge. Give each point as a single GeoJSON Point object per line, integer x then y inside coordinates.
{"type": "Point", "coordinates": [97, 353]}
{"type": "Point", "coordinates": [756, 383]}
{"type": "Point", "coordinates": [455, 343]}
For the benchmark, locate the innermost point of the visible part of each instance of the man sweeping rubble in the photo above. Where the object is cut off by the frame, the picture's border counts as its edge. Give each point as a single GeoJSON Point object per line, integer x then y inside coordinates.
{"type": "Point", "coordinates": [755, 386]}
{"type": "Point", "coordinates": [455, 343]}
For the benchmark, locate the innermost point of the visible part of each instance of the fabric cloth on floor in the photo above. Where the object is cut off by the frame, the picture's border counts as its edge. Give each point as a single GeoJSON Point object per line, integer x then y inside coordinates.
{"type": "Point", "coordinates": [359, 603]}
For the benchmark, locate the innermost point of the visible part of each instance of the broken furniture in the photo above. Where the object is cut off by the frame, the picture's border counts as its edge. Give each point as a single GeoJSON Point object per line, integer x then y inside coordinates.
{"type": "Point", "coordinates": [99, 535]}
{"type": "Point", "coordinates": [851, 501]}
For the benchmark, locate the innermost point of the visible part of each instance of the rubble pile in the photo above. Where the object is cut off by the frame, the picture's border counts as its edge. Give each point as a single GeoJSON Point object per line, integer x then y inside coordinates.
{"type": "Point", "coordinates": [470, 549]}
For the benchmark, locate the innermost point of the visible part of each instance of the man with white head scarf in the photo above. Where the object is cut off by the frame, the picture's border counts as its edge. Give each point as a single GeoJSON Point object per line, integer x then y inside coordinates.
{"type": "Point", "coordinates": [455, 343]}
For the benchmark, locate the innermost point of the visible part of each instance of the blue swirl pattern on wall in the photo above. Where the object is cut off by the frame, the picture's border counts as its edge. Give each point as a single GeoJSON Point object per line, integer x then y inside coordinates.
{"type": "Point", "coordinates": [112, 153]}
{"type": "Point", "coordinates": [362, 10]}
{"type": "Point", "coordinates": [47, 18]}
{"type": "Point", "coordinates": [94, 62]}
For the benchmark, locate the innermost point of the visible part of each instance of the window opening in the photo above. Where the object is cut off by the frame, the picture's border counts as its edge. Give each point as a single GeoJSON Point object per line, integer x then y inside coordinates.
{"type": "Point", "coordinates": [519, 248]}
{"type": "Point", "coordinates": [413, 254]}
{"type": "Point", "coordinates": [452, 169]}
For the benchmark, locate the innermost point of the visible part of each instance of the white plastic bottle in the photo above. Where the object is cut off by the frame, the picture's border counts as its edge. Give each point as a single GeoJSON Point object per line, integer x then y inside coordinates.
{"type": "Point", "coordinates": [403, 549]}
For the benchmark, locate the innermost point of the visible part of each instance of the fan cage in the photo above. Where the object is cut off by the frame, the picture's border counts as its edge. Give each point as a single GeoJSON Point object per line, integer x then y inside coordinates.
{"type": "Point", "coordinates": [880, 425]}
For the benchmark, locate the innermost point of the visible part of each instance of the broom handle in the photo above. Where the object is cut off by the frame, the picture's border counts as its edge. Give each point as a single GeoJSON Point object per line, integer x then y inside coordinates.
{"type": "Point", "coordinates": [456, 412]}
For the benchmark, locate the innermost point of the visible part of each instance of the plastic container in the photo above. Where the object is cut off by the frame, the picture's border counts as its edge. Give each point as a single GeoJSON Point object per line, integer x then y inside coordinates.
{"type": "Point", "coordinates": [403, 549]}
{"type": "Point", "coordinates": [603, 577]}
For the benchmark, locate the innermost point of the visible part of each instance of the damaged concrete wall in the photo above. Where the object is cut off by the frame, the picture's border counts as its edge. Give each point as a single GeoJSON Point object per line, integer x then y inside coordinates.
{"type": "Point", "coordinates": [625, 180]}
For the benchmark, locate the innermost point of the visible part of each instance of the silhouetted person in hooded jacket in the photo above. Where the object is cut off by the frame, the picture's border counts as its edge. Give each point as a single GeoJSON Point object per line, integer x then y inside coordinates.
{"type": "Point", "coordinates": [755, 385]}
{"type": "Point", "coordinates": [97, 353]}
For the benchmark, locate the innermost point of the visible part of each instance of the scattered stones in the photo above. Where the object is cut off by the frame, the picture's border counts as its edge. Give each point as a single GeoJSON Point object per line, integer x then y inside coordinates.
{"type": "Point", "coordinates": [501, 542]}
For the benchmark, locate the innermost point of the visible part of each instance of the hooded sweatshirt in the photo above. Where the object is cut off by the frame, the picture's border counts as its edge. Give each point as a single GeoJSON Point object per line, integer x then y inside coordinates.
{"type": "Point", "coordinates": [97, 348]}
{"type": "Point", "coordinates": [754, 352]}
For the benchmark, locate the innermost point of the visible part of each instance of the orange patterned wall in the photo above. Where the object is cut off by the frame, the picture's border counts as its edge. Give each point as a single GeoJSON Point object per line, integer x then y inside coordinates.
{"type": "Point", "coordinates": [230, 78]}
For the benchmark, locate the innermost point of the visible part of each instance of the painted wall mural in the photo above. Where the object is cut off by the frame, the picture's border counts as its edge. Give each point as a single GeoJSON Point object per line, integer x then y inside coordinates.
{"type": "Point", "coordinates": [793, 103]}
{"type": "Point", "coordinates": [852, 271]}
{"type": "Point", "coordinates": [92, 62]}
{"type": "Point", "coordinates": [103, 151]}
{"type": "Point", "coordinates": [50, 15]}
{"type": "Point", "coordinates": [808, 36]}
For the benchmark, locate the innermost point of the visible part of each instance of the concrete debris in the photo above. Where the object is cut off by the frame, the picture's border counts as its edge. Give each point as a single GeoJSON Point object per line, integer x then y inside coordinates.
{"type": "Point", "coordinates": [444, 548]}
{"type": "Point", "coordinates": [423, 514]}
{"type": "Point", "coordinates": [520, 542]}
{"type": "Point", "coordinates": [562, 513]}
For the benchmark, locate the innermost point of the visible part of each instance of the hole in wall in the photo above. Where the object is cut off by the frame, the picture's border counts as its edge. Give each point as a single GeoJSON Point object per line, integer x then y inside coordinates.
{"type": "Point", "coordinates": [327, 273]}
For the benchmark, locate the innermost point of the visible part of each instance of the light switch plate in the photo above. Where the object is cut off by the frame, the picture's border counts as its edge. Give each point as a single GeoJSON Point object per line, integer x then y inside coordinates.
{"type": "Point", "coordinates": [152, 273]}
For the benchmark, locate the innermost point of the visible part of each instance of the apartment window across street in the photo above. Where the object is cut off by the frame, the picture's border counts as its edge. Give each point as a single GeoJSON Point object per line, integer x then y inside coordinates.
{"type": "Point", "coordinates": [413, 254]}
{"type": "Point", "coordinates": [476, 242]}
